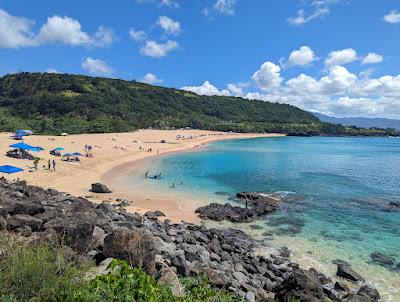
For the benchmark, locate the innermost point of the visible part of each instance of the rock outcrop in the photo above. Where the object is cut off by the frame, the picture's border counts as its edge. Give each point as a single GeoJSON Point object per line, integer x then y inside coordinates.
{"type": "Point", "coordinates": [254, 205]}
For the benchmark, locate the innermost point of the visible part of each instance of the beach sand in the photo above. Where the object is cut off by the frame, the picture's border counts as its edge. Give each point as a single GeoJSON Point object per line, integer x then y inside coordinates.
{"type": "Point", "coordinates": [110, 153]}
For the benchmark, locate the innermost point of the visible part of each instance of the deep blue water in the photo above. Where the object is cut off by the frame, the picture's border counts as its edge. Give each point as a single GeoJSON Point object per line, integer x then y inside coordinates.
{"type": "Point", "coordinates": [342, 187]}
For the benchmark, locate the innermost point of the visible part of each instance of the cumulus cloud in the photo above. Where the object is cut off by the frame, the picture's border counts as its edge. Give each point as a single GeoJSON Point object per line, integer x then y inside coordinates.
{"type": "Point", "coordinates": [96, 66]}
{"type": "Point", "coordinates": [158, 50]}
{"type": "Point", "coordinates": [169, 26]}
{"type": "Point", "coordinates": [341, 57]}
{"type": "Point", "coordinates": [372, 58]}
{"type": "Point", "coordinates": [150, 78]}
{"type": "Point", "coordinates": [301, 57]}
{"type": "Point", "coordinates": [392, 17]}
{"type": "Point", "coordinates": [17, 32]}
{"type": "Point", "coordinates": [268, 76]}
{"type": "Point", "coordinates": [137, 35]}
{"type": "Point", "coordinates": [206, 89]}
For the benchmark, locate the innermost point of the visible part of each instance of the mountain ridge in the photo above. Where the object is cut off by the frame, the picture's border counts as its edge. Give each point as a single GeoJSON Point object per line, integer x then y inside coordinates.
{"type": "Point", "coordinates": [55, 103]}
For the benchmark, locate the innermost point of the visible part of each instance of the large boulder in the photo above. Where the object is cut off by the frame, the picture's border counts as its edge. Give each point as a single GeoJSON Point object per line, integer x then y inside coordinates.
{"type": "Point", "coordinates": [21, 220]}
{"type": "Point", "coordinates": [303, 285]}
{"type": "Point", "coordinates": [135, 246]}
{"type": "Point", "coordinates": [75, 232]}
{"type": "Point", "coordinates": [99, 188]}
{"type": "Point", "coordinates": [345, 271]}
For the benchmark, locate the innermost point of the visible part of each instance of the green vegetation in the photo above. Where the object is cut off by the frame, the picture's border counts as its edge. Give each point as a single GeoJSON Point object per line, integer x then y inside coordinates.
{"type": "Point", "coordinates": [44, 273]}
{"type": "Point", "coordinates": [56, 103]}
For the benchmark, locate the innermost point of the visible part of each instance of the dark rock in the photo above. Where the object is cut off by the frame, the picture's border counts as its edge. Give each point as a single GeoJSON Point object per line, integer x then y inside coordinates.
{"type": "Point", "coordinates": [99, 188]}
{"type": "Point", "coordinates": [257, 204]}
{"type": "Point", "coordinates": [256, 227]}
{"type": "Point", "coordinates": [135, 246]}
{"type": "Point", "coordinates": [179, 262]}
{"type": "Point", "coordinates": [303, 285]}
{"type": "Point", "coordinates": [370, 292]}
{"type": "Point", "coordinates": [345, 271]}
{"type": "Point", "coordinates": [21, 220]}
{"type": "Point", "coordinates": [383, 260]}
{"type": "Point", "coordinates": [27, 208]}
{"type": "Point", "coordinates": [76, 231]}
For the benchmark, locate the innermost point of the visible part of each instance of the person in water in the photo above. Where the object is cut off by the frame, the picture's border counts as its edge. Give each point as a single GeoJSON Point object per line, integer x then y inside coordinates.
{"type": "Point", "coordinates": [147, 174]}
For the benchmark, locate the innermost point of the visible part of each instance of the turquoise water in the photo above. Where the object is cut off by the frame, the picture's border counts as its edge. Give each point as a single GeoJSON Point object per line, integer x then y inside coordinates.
{"type": "Point", "coordinates": [341, 188]}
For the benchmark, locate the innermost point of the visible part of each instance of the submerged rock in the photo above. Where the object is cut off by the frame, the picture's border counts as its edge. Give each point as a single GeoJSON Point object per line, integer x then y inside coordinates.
{"type": "Point", "coordinates": [383, 260]}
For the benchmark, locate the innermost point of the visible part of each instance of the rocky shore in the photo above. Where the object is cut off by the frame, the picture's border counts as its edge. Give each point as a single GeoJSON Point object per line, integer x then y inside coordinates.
{"type": "Point", "coordinates": [228, 257]}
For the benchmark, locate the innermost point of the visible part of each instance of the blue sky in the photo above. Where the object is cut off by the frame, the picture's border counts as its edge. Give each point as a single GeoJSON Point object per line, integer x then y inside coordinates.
{"type": "Point", "coordinates": [338, 57]}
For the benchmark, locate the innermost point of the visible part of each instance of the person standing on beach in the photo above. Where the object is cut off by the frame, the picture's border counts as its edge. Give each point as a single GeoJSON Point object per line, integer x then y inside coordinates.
{"type": "Point", "coordinates": [35, 163]}
{"type": "Point", "coordinates": [54, 165]}
{"type": "Point", "coordinates": [48, 164]}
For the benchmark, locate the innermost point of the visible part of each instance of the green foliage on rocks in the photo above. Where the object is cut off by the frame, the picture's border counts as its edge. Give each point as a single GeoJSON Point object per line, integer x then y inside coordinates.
{"type": "Point", "coordinates": [43, 273]}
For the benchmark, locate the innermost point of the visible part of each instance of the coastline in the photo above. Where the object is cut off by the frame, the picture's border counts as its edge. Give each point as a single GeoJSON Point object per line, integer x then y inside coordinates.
{"type": "Point", "coordinates": [112, 151]}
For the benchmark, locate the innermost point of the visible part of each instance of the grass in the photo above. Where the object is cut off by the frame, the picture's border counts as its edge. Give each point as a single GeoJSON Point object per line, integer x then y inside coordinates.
{"type": "Point", "coordinates": [42, 273]}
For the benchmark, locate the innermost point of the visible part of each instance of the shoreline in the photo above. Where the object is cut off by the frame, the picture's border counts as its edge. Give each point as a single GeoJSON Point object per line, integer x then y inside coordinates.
{"type": "Point", "coordinates": [173, 207]}
{"type": "Point", "coordinates": [112, 151]}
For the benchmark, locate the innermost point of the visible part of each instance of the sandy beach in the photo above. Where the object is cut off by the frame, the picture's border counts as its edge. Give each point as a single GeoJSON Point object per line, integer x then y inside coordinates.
{"type": "Point", "coordinates": [110, 152]}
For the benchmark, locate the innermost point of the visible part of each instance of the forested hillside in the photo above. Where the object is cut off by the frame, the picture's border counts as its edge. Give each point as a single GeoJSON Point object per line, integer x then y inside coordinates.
{"type": "Point", "coordinates": [55, 103]}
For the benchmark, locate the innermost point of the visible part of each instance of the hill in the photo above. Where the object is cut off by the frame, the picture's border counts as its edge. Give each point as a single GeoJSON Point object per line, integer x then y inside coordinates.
{"type": "Point", "coordinates": [361, 121]}
{"type": "Point", "coordinates": [55, 103]}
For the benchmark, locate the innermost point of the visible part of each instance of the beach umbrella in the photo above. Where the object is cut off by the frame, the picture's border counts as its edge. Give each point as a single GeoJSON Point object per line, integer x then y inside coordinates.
{"type": "Point", "coordinates": [10, 169]}
{"type": "Point", "coordinates": [76, 154]}
{"type": "Point", "coordinates": [67, 154]}
{"type": "Point", "coordinates": [58, 149]}
{"type": "Point", "coordinates": [39, 148]}
{"type": "Point", "coordinates": [22, 145]}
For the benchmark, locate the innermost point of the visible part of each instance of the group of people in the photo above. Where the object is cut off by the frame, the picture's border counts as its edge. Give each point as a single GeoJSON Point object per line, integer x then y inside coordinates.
{"type": "Point", "coordinates": [51, 164]}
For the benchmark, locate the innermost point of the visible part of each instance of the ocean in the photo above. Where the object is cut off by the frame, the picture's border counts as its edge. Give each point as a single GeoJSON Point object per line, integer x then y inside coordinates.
{"type": "Point", "coordinates": [339, 190]}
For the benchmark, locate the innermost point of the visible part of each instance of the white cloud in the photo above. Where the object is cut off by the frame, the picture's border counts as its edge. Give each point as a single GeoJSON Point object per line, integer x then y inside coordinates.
{"type": "Point", "coordinates": [225, 7]}
{"type": "Point", "coordinates": [169, 3]}
{"type": "Point", "coordinates": [15, 32]}
{"type": "Point", "coordinates": [372, 58]}
{"type": "Point", "coordinates": [96, 66]}
{"type": "Point", "coordinates": [392, 17]}
{"type": "Point", "coordinates": [137, 36]}
{"type": "Point", "coordinates": [301, 57]}
{"type": "Point", "coordinates": [268, 76]}
{"type": "Point", "coordinates": [69, 31]}
{"type": "Point", "coordinates": [157, 50]}
{"type": "Point", "coordinates": [150, 78]}
{"type": "Point", "coordinates": [319, 9]}
{"type": "Point", "coordinates": [341, 57]}
{"type": "Point", "coordinates": [52, 70]}
{"type": "Point", "coordinates": [237, 89]}
{"type": "Point", "coordinates": [170, 26]}
{"type": "Point", "coordinates": [206, 89]}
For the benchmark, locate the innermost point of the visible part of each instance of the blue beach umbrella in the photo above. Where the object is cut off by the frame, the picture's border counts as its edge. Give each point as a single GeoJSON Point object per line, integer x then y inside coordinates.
{"type": "Point", "coordinates": [58, 149]}
{"type": "Point", "coordinates": [22, 146]}
{"type": "Point", "coordinates": [76, 154]}
{"type": "Point", "coordinates": [10, 169]}
{"type": "Point", "coordinates": [68, 154]}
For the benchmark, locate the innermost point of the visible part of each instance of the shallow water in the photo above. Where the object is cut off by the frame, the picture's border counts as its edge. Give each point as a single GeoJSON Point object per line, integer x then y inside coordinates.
{"type": "Point", "coordinates": [341, 185]}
